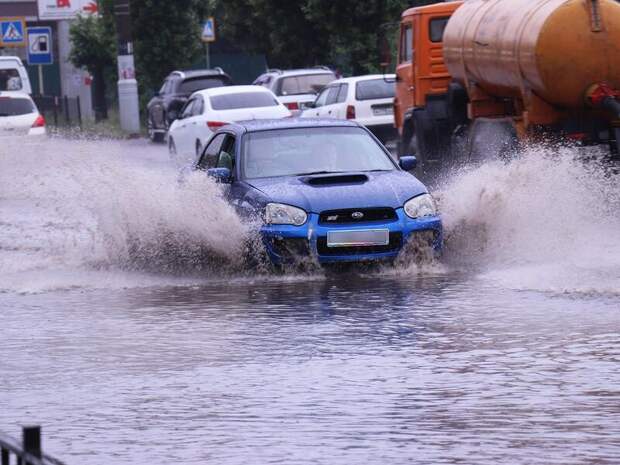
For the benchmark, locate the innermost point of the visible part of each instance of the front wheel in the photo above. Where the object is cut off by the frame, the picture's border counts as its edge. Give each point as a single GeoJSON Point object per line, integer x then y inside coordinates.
{"type": "Point", "coordinates": [154, 136]}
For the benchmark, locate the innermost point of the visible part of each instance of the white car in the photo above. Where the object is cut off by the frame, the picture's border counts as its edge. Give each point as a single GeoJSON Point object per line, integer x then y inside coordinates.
{"type": "Point", "coordinates": [296, 88]}
{"type": "Point", "coordinates": [13, 75]}
{"type": "Point", "coordinates": [19, 115]}
{"type": "Point", "coordinates": [209, 109]}
{"type": "Point", "coordinates": [369, 100]}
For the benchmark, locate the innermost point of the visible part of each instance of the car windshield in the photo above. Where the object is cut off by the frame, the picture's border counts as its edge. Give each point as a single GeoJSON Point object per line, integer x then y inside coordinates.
{"type": "Point", "coordinates": [374, 89]}
{"type": "Point", "coordinates": [304, 84]}
{"type": "Point", "coordinates": [304, 151]}
{"type": "Point", "coordinates": [15, 106]}
{"type": "Point", "coordinates": [10, 80]}
{"type": "Point", "coordinates": [243, 100]}
{"type": "Point", "coordinates": [190, 86]}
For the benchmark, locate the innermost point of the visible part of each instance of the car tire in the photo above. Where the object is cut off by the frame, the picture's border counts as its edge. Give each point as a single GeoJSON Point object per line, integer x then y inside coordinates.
{"type": "Point", "coordinates": [155, 137]}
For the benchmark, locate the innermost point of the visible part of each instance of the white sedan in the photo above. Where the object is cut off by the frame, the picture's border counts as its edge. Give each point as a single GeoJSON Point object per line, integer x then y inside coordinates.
{"type": "Point", "coordinates": [19, 115]}
{"type": "Point", "coordinates": [369, 100]}
{"type": "Point", "coordinates": [209, 109]}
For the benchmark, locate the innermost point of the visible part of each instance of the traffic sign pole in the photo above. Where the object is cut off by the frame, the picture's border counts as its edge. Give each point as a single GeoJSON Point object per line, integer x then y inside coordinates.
{"type": "Point", "coordinates": [41, 88]}
{"type": "Point", "coordinates": [208, 58]}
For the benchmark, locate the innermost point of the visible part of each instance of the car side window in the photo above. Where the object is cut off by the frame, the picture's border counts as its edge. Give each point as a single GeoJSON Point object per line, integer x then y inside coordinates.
{"type": "Point", "coordinates": [342, 94]}
{"type": "Point", "coordinates": [187, 109]}
{"type": "Point", "coordinates": [322, 98]}
{"type": "Point", "coordinates": [198, 106]}
{"type": "Point", "coordinates": [212, 150]}
{"type": "Point", "coordinates": [332, 95]}
{"type": "Point", "coordinates": [226, 157]}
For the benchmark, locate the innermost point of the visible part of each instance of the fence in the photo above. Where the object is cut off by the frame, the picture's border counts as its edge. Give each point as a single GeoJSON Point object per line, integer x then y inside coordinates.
{"type": "Point", "coordinates": [28, 452]}
{"type": "Point", "coordinates": [59, 111]}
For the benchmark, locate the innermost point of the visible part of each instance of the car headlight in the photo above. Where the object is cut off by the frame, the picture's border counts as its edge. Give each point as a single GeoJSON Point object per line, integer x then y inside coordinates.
{"type": "Point", "coordinates": [422, 205]}
{"type": "Point", "coordinates": [279, 213]}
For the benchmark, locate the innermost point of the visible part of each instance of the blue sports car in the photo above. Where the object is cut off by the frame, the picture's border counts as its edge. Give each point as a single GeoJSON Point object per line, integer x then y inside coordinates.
{"type": "Point", "coordinates": [327, 189]}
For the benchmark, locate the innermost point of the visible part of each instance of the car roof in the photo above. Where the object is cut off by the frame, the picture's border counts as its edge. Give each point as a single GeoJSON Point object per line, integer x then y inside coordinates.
{"type": "Point", "coordinates": [367, 77]}
{"type": "Point", "coordinates": [193, 73]}
{"type": "Point", "coordinates": [231, 90]}
{"type": "Point", "coordinates": [289, 123]}
{"type": "Point", "coordinates": [301, 71]}
{"type": "Point", "coordinates": [15, 94]}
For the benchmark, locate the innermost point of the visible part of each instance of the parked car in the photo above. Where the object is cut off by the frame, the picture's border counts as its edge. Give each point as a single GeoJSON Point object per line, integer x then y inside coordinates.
{"type": "Point", "coordinates": [323, 189]}
{"type": "Point", "coordinates": [296, 88]}
{"type": "Point", "coordinates": [166, 105]}
{"type": "Point", "coordinates": [208, 110]}
{"type": "Point", "coordinates": [369, 100]}
{"type": "Point", "coordinates": [19, 114]}
{"type": "Point", "coordinates": [13, 75]}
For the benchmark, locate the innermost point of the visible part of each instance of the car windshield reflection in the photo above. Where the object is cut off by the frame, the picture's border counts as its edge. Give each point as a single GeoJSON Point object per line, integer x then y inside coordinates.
{"type": "Point", "coordinates": [309, 151]}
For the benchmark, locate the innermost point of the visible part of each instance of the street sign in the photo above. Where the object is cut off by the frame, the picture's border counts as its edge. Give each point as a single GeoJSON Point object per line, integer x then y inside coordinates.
{"type": "Point", "coordinates": [65, 9]}
{"type": "Point", "coordinates": [40, 46]}
{"type": "Point", "coordinates": [12, 32]}
{"type": "Point", "coordinates": [208, 30]}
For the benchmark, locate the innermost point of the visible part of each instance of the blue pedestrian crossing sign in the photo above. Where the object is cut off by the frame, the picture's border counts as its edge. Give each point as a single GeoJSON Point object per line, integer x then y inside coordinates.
{"type": "Point", "coordinates": [40, 46]}
{"type": "Point", "coordinates": [12, 32]}
{"type": "Point", "coordinates": [208, 30]}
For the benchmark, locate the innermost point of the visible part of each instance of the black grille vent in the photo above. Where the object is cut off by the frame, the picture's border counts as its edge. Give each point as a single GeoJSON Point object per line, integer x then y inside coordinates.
{"type": "Point", "coordinates": [396, 241]}
{"type": "Point", "coordinates": [358, 215]}
{"type": "Point", "coordinates": [341, 179]}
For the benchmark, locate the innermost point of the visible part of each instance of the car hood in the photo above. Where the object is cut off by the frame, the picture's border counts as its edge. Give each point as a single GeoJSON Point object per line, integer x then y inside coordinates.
{"type": "Point", "coordinates": [341, 191]}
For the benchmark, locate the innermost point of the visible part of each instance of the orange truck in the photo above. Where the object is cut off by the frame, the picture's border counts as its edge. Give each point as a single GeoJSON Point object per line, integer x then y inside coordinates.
{"type": "Point", "coordinates": [486, 75]}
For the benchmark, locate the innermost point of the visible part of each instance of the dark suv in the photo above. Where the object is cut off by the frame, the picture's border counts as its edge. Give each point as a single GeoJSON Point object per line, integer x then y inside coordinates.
{"type": "Point", "coordinates": [165, 106]}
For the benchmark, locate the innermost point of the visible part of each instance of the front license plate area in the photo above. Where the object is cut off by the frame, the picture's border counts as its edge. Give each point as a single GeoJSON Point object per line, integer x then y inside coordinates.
{"type": "Point", "coordinates": [362, 238]}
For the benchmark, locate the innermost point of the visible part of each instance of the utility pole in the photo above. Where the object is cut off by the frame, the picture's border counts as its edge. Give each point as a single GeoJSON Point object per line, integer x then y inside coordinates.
{"type": "Point", "coordinates": [127, 84]}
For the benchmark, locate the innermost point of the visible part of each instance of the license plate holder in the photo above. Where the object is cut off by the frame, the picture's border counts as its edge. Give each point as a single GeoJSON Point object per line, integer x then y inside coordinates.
{"type": "Point", "coordinates": [358, 238]}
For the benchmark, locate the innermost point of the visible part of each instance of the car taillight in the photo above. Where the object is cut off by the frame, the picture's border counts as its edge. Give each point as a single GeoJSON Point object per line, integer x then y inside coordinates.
{"type": "Point", "coordinates": [292, 105]}
{"type": "Point", "coordinates": [350, 112]}
{"type": "Point", "coordinates": [215, 124]}
{"type": "Point", "coordinates": [39, 122]}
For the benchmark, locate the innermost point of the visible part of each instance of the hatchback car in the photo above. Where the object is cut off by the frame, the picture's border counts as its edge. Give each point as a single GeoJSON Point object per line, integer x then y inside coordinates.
{"type": "Point", "coordinates": [207, 110]}
{"type": "Point", "coordinates": [369, 100]}
{"type": "Point", "coordinates": [296, 88]}
{"type": "Point", "coordinates": [19, 115]}
{"type": "Point", "coordinates": [324, 189]}
{"type": "Point", "coordinates": [166, 104]}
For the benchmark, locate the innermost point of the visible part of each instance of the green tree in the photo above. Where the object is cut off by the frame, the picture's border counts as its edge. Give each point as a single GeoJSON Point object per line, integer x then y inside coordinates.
{"type": "Point", "coordinates": [166, 36]}
{"type": "Point", "coordinates": [93, 47]}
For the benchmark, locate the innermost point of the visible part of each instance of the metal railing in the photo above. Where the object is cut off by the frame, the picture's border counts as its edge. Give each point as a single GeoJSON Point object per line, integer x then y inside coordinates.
{"type": "Point", "coordinates": [59, 111]}
{"type": "Point", "coordinates": [28, 452]}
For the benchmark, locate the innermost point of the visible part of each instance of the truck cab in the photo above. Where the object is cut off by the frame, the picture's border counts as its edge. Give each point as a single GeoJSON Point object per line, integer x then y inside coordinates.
{"type": "Point", "coordinates": [421, 74]}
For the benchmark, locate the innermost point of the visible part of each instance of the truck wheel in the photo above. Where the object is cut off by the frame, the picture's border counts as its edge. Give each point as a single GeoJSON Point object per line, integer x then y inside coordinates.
{"type": "Point", "coordinates": [429, 148]}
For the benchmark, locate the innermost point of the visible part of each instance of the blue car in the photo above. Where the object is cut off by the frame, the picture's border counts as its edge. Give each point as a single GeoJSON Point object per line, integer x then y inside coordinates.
{"type": "Point", "coordinates": [325, 189]}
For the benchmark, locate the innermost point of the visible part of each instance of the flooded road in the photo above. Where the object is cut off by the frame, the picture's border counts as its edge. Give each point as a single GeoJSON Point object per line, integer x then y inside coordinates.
{"type": "Point", "coordinates": [132, 332]}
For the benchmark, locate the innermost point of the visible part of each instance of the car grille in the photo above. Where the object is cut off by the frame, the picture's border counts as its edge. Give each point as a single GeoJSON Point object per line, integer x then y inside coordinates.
{"type": "Point", "coordinates": [396, 240]}
{"type": "Point", "coordinates": [352, 215]}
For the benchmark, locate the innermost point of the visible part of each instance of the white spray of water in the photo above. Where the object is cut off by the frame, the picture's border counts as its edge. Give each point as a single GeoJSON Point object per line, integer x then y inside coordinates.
{"type": "Point", "coordinates": [70, 207]}
{"type": "Point", "coordinates": [545, 221]}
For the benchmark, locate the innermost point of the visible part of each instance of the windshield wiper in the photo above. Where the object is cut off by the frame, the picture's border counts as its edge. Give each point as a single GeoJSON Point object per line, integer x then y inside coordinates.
{"type": "Point", "coordinates": [310, 173]}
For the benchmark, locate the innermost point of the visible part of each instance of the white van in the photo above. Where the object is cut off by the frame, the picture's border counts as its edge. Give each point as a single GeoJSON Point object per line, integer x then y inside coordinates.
{"type": "Point", "coordinates": [13, 75]}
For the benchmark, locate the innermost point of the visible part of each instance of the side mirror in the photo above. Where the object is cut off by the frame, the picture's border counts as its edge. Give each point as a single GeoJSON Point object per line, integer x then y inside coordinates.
{"type": "Point", "coordinates": [221, 175]}
{"type": "Point", "coordinates": [408, 162]}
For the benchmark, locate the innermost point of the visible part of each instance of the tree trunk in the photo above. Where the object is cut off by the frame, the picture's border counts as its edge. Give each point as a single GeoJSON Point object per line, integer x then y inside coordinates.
{"type": "Point", "coordinates": [99, 102]}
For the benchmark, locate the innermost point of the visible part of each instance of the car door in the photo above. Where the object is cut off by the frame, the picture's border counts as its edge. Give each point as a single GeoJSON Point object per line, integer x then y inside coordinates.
{"type": "Point", "coordinates": [181, 134]}
{"type": "Point", "coordinates": [314, 112]}
{"type": "Point", "coordinates": [404, 73]}
{"type": "Point", "coordinates": [195, 128]}
{"type": "Point", "coordinates": [237, 191]}
{"type": "Point", "coordinates": [330, 110]}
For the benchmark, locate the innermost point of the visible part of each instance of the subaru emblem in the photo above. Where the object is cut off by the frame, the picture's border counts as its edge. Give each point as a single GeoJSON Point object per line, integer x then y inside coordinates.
{"type": "Point", "coordinates": [357, 215]}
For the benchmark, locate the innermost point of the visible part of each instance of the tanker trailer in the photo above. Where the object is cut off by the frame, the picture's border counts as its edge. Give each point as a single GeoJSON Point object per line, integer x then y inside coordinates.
{"type": "Point", "coordinates": [527, 69]}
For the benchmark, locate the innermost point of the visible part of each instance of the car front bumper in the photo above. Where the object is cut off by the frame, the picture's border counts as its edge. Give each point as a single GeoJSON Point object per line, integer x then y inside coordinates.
{"type": "Point", "coordinates": [287, 243]}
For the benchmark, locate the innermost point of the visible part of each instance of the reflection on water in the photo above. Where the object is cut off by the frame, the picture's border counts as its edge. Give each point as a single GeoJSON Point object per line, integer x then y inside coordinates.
{"type": "Point", "coordinates": [323, 370]}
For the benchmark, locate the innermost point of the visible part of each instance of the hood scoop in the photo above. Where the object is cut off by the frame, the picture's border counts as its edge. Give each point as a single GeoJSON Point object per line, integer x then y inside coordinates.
{"type": "Point", "coordinates": [331, 180]}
